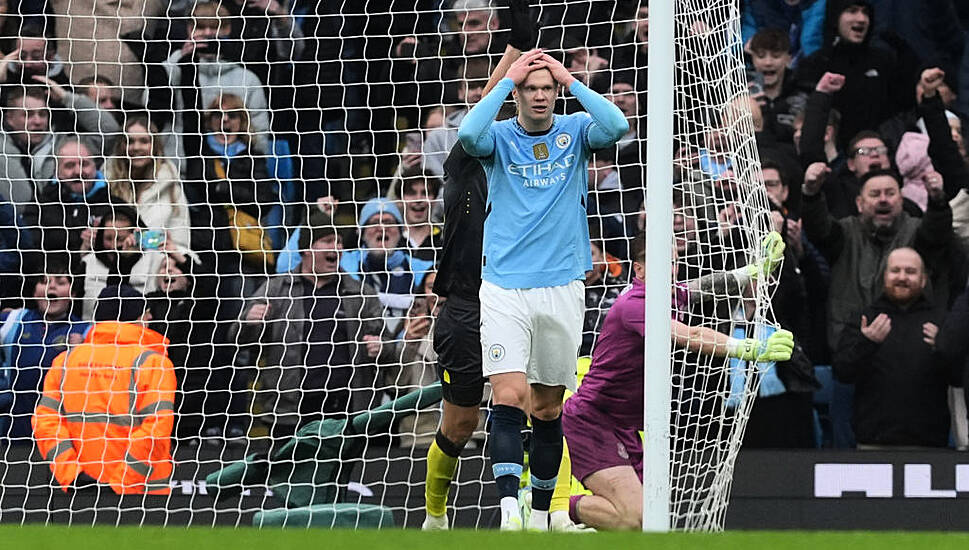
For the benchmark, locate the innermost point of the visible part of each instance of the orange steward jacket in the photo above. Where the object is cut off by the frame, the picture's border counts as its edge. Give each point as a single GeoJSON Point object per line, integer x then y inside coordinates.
{"type": "Point", "coordinates": [108, 410]}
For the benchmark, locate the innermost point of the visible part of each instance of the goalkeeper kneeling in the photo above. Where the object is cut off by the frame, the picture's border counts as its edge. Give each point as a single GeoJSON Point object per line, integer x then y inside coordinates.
{"type": "Point", "coordinates": [609, 461]}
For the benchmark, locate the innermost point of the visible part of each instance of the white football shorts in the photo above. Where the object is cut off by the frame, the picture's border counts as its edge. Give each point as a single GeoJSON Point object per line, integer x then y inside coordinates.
{"type": "Point", "coordinates": [536, 331]}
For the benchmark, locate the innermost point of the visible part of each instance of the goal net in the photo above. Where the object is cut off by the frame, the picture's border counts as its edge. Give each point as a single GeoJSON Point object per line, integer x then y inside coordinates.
{"type": "Point", "coordinates": [268, 175]}
{"type": "Point", "coordinates": [721, 214]}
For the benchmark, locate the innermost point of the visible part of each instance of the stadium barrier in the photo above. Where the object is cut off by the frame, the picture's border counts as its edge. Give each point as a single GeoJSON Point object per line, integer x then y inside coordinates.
{"type": "Point", "coordinates": [840, 490]}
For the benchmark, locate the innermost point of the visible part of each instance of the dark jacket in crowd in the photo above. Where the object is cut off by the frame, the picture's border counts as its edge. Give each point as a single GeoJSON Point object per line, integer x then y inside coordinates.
{"type": "Point", "coordinates": [60, 216]}
{"type": "Point", "coordinates": [857, 255]}
{"type": "Point", "coordinates": [780, 112]}
{"type": "Point", "coordinates": [953, 340]}
{"type": "Point", "coordinates": [901, 384]}
{"type": "Point", "coordinates": [873, 91]}
{"type": "Point", "coordinates": [930, 28]}
{"type": "Point", "coordinates": [216, 181]}
{"type": "Point", "coordinates": [841, 187]}
{"type": "Point", "coordinates": [286, 386]}
{"type": "Point", "coordinates": [14, 239]}
{"type": "Point", "coordinates": [944, 152]}
{"type": "Point", "coordinates": [198, 348]}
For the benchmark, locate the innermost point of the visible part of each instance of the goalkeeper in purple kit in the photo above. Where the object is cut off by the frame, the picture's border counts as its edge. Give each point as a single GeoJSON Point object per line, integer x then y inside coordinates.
{"type": "Point", "coordinates": [602, 420]}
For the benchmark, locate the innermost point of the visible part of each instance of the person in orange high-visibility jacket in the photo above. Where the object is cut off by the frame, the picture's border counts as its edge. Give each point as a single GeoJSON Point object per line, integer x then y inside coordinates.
{"type": "Point", "coordinates": [107, 410]}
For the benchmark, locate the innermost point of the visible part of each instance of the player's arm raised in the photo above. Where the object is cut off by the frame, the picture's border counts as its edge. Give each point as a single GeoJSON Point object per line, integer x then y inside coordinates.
{"type": "Point", "coordinates": [524, 32]}
{"type": "Point", "coordinates": [475, 130]}
{"type": "Point", "coordinates": [608, 123]}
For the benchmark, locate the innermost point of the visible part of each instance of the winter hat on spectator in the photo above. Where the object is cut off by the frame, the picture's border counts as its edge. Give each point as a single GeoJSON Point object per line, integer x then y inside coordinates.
{"type": "Point", "coordinates": [912, 159]}
{"type": "Point", "coordinates": [120, 303]}
{"type": "Point", "coordinates": [378, 205]}
{"type": "Point", "coordinates": [319, 225]}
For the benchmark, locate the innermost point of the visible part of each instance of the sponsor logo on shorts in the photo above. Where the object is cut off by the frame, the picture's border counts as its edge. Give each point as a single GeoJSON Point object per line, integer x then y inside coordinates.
{"type": "Point", "coordinates": [496, 352]}
{"type": "Point", "coordinates": [563, 140]}
{"type": "Point", "coordinates": [621, 449]}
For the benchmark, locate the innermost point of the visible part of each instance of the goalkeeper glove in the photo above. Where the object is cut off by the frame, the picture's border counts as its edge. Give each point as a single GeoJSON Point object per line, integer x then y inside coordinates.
{"type": "Point", "coordinates": [778, 347]}
{"type": "Point", "coordinates": [773, 252]}
{"type": "Point", "coordinates": [523, 26]}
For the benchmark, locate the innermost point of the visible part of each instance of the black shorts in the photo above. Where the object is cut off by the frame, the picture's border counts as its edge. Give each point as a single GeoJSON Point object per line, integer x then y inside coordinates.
{"type": "Point", "coordinates": [457, 341]}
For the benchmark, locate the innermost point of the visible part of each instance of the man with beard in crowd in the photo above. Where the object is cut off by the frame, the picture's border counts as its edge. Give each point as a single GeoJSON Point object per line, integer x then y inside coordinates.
{"type": "Point", "coordinates": [857, 247]}
{"type": "Point", "coordinates": [901, 380]}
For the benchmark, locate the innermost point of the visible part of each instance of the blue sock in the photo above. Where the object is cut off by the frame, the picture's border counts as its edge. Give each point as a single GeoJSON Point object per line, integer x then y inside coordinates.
{"type": "Point", "coordinates": [544, 458]}
{"type": "Point", "coordinates": [507, 453]}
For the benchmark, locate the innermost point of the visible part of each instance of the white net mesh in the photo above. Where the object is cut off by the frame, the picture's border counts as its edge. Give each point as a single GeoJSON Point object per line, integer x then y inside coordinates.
{"type": "Point", "coordinates": [722, 218]}
{"type": "Point", "coordinates": [178, 148]}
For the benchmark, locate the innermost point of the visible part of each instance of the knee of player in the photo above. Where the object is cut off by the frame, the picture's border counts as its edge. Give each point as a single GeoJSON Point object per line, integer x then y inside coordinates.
{"type": "Point", "coordinates": [511, 396]}
{"type": "Point", "coordinates": [459, 429]}
{"type": "Point", "coordinates": [630, 520]}
{"type": "Point", "coordinates": [547, 411]}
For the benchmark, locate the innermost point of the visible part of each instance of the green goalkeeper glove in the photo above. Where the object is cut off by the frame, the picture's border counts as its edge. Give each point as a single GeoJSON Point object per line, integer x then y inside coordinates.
{"type": "Point", "coordinates": [773, 250]}
{"type": "Point", "coordinates": [778, 347]}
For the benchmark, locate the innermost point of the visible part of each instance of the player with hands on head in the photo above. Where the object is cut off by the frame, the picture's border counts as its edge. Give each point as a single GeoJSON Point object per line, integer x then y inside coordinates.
{"type": "Point", "coordinates": [535, 255]}
{"type": "Point", "coordinates": [457, 338]}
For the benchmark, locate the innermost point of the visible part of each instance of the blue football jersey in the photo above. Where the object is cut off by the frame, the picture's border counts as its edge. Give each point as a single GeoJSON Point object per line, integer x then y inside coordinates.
{"type": "Point", "coordinates": [536, 232]}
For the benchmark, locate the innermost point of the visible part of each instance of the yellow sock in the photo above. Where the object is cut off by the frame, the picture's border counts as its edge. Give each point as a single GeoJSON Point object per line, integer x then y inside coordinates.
{"type": "Point", "coordinates": [440, 472]}
{"type": "Point", "coordinates": [560, 497]}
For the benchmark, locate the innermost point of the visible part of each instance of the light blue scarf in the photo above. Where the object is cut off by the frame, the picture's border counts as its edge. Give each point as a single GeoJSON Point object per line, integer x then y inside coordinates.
{"type": "Point", "coordinates": [770, 384]}
{"type": "Point", "coordinates": [227, 150]}
{"type": "Point", "coordinates": [99, 184]}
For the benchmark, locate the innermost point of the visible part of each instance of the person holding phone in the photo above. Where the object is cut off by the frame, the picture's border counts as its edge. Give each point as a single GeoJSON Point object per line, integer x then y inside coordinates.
{"type": "Point", "coordinates": [118, 257]}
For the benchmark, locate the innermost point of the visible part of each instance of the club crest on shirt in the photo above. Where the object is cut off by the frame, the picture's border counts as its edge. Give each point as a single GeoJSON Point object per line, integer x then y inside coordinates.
{"type": "Point", "coordinates": [563, 140]}
{"type": "Point", "coordinates": [496, 352]}
{"type": "Point", "coordinates": [540, 151]}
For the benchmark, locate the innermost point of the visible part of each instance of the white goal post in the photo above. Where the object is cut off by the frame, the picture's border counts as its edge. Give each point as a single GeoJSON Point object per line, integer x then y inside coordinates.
{"type": "Point", "coordinates": [698, 102]}
{"type": "Point", "coordinates": [657, 451]}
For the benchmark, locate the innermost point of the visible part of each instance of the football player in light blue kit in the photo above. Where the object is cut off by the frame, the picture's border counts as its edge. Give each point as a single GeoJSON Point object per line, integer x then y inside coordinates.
{"type": "Point", "coordinates": [536, 253]}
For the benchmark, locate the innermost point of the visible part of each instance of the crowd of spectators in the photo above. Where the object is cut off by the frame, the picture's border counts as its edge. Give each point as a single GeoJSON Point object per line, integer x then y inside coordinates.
{"type": "Point", "coordinates": [268, 175]}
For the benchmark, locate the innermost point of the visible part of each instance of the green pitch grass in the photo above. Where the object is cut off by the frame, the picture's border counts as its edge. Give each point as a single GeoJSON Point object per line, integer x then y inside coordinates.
{"type": "Point", "coordinates": [199, 538]}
